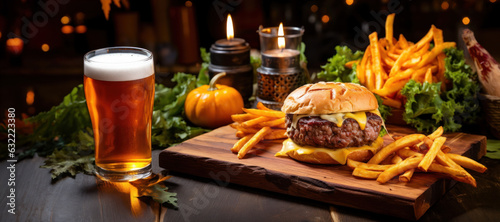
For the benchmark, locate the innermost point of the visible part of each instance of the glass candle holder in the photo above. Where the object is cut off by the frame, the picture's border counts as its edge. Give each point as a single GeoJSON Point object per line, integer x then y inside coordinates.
{"type": "Point", "coordinates": [280, 72]}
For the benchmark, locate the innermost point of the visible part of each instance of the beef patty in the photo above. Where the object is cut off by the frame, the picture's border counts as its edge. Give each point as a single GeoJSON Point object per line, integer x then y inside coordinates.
{"type": "Point", "coordinates": [317, 132]}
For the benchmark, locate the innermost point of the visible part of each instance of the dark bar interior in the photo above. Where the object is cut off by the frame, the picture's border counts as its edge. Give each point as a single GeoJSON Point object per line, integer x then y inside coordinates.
{"type": "Point", "coordinates": [56, 34]}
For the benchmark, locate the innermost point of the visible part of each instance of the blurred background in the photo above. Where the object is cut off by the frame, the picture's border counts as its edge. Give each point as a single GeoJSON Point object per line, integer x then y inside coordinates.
{"type": "Point", "coordinates": [42, 42]}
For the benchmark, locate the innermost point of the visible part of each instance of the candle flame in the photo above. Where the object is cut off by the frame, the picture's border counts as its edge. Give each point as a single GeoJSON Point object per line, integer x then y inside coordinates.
{"type": "Point", "coordinates": [281, 38]}
{"type": "Point", "coordinates": [229, 28]}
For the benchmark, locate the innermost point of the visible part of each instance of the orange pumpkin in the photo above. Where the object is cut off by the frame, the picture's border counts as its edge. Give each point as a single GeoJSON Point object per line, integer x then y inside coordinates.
{"type": "Point", "coordinates": [211, 106]}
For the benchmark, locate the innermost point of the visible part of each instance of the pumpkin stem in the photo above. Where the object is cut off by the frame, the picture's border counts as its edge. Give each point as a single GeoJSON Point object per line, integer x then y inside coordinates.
{"type": "Point", "coordinates": [211, 86]}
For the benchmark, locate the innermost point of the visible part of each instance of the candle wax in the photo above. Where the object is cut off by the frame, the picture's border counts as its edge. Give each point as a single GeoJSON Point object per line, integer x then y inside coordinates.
{"type": "Point", "coordinates": [229, 43]}
{"type": "Point", "coordinates": [281, 53]}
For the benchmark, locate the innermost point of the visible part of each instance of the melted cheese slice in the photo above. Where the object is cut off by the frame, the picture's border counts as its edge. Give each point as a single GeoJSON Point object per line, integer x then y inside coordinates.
{"type": "Point", "coordinates": [339, 155]}
{"type": "Point", "coordinates": [338, 118]}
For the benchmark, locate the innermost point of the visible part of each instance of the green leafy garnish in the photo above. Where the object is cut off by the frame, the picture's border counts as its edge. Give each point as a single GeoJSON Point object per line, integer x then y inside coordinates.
{"type": "Point", "coordinates": [427, 108]}
{"type": "Point", "coordinates": [384, 110]}
{"type": "Point", "coordinates": [159, 194]}
{"type": "Point", "coordinates": [169, 127]}
{"type": "Point", "coordinates": [75, 157]}
{"type": "Point", "coordinates": [493, 149]}
{"type": "Point", "coordinates": [335, 70]}
{"type": "Point", "coordinates": [302, 51]}
{"type": "Point", "coordinates": [203, 77]}
{"type": "Point", "coordinates": [154, 188]}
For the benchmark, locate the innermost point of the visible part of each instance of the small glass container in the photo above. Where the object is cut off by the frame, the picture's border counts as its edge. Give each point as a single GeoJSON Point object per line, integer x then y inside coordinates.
{"type": "Point", "coordinates": [280, 72]}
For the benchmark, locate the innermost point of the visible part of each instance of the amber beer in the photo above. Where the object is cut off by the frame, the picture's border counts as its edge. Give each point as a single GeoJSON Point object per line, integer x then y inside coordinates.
{"type": "Point", "coordinates": [119, 88]}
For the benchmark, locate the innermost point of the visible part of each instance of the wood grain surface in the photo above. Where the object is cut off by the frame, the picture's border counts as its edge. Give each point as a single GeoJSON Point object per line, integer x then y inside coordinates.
{"type": "Point", "coordinates": [209, 156]}
{"type": "Point", "coordinates": [202, 199]}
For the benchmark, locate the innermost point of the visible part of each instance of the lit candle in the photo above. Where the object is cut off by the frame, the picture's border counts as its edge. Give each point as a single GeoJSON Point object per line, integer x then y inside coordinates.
{"type": "Point", "coordinates": [281, 57]}
{"type": "Point", "coordinates": [232, 55]}
{"type": "Point", "coordinates": [280, 71]}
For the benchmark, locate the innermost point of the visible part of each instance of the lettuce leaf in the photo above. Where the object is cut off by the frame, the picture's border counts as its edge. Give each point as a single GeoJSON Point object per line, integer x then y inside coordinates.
{"type": "Point", "coordinates": [168, 125]}
{"type": "Point", "coordinates": [335, 70]}
{"type": "Point", "coordinates": [427, 107]}
{"type": "Point", "coordinates": [384, 110]}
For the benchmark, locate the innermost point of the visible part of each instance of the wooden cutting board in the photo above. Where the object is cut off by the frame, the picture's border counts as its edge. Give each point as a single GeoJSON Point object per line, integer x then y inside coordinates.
{"type": "Point", "coordinates": [209, 155]}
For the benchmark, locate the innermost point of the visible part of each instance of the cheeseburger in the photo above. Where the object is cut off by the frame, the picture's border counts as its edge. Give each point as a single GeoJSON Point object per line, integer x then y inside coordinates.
{"type": "Point", "coordinates": [330, 122]}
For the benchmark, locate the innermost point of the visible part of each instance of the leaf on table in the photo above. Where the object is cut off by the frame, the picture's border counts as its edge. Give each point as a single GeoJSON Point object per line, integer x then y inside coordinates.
{"type": "Point", "coordinates": [75, 157]}
{"type": "Point", "coordinates": [154, 188]}
{"type": "Point", "coordinates": [493, 149]}
{"type": "Point", "coordinates": [61, 162]}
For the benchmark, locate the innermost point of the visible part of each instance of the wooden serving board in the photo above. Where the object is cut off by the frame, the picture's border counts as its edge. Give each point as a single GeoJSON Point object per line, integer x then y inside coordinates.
{"type": "Point", "coordinates": [209, 155]}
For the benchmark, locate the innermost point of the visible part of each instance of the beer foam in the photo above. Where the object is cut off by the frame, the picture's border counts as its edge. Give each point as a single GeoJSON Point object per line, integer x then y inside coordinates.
{"type": "Point", "coordinates": [118, 67]}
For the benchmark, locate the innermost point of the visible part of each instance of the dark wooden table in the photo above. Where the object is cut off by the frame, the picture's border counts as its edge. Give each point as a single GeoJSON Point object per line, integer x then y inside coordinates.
{"type": "Point", "coordinates": [86, 199]}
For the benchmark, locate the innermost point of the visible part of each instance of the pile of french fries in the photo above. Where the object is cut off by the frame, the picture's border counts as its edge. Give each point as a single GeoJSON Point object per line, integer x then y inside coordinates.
{"type": "Point", "coordinates": [416, 152]}
{"type": "Point", "coordinates": [388, 64]}
{"type": "Point", "coordinates": [256, 125]}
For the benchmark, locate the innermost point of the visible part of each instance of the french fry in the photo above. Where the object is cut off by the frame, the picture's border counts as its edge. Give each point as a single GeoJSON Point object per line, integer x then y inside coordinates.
{"type": "Point", "coordinates": [234, 125]}
{"type": "Point", "coordinates": [406, 176]}
{"type": "Point", "coordinates": [262, 106]}
{"type": "Point", "coordinates": [428, 57]}
{"type": "Point", "coordinates": [247, 130]}
{"type": "Point", "coordinates": [453, 173]}
{"type": "Point", "coordinates": [265, 113]}
{"type": "Point", "coordinates": [402, 41]}
{"type": "Point", "coordinates": [467, 162]}
{"type": "Point", "coordinates": [442, 159]}
{"type": "Point", "coordinates": [376, 58]}
{"type": "Point", "coordinates": [350, 63]}
{"type": "Point", "coordinates": [445, 149]}
{"type": "Point", "coordinates": [388, 61]}
{"type": "Point", "coordinates": [428, 75]}
{"type": "Point", "coordinates": [243, 117]}
{"type": "Point", "coordinates": [437, 133]}
{"type": "Point", "coordinates": [419, 74]}
{"type": "Point", "coordinates": [426, 39]}
{"type": "Point", "coordinates": [431, 154]}
{"type": "Point", "coordinates": [447, 162]}
{"type": "Point", "coordinates": [438, 39]}
{"type": "Point", "coordinates": [400, 61]}
{"type": "Point", "coordinates": [360, 68]}
{"type": "Point", "coordinates": [407, 164]}
{"type": "Point", "coordinates": [272, 123]}
{"type": "Point", "coordinates": [406, 153]}
{"type": "Point", "coordinates": [240, 134]}
{"type": "Point", "coordinates": [389, 21]}
{"type": "Point", "coordinates": [406, 141]}
{"type": "Point", "coordinates": [238, 145]}
{"type": "Point", "coordinates": [412, 62]}
{"type": "Point", "coordinates": [390, 88]}
{"type": "Point", "coordinates": [379, 81]}
{"type": "Point", "coordinates": [422, 51]}
{"type": "Point", "coordinates": [370, 76]}
{"type": "Point", "coordinates": [373, 167]}
{"type": "Point", "coordinates": [367, 174]}
{"type": "Point", "coordinates": [253, 141]}
{"type": "Point", "coordinates": [396, 159]}
{"type": "Point", "coordinates": [255, 121]}
{"type": "Point", "coordinates": [393, 56]}
{"type": "Point", "coordinates": [276, 134]}
{"type": "Point", "coordinates": [391, 102]}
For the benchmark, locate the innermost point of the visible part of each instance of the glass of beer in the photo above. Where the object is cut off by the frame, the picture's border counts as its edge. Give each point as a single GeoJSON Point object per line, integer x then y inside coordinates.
{"type": "Point", "coordinates": [119, 88]}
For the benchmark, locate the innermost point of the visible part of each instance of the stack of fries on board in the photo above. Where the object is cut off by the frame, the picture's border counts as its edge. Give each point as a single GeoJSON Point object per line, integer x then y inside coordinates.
{"type": "Point", "coordinates": [388, 64]}
{"type": "Point", "coordinates": [256, 125]}
{"type": "Point", "coordinates": [416, 152]}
